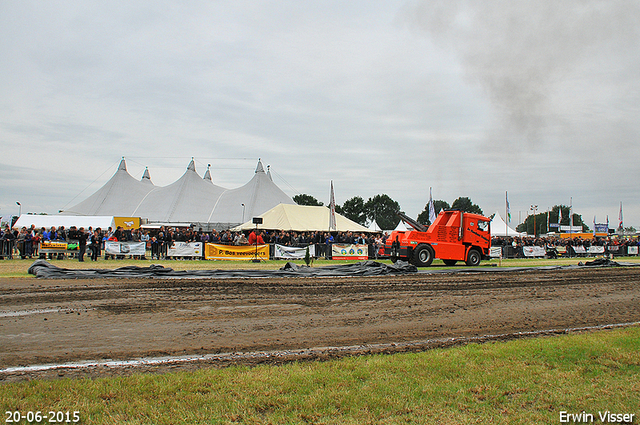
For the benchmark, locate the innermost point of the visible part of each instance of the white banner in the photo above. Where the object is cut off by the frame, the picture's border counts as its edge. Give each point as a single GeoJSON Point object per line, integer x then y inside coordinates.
{"type": "Point", "coordinates": [124, 248]}
{"type": "Point", "coordinates": [349, 252]}
{"type": "Point", "coordinates": [534, 251]}
{"type": "Point", "coordinates": [571, 229]}
{"type": "Point", "coordinates": [185, 249]}
{"type": "Point", "coordinates": [596, 250]}
{"type": "Point", "coordinates": [579, 249]}
{"type": "Point", "coordinates": [281, 251]}
{"type": "Point", "coordinates": [632, 250]}
{"type": "Point", "coordinates": [496, 252]}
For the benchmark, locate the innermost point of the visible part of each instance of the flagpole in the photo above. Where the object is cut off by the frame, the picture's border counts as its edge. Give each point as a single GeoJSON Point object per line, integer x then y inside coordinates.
{"type": "Point", "coordinates": [506, 206]}
{"type": "Point", "coordinates": [571, 218]}
{"type": "Point", "coordinates": [621, 225]}
{"type": "Point", "coordinates": [332, 210]}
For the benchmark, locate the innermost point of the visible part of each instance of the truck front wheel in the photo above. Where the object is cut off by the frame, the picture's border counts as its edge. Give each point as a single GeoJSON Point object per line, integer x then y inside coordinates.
{"type": "Point", "coordinates": [473, 258]}
{"type": "Point", "coordinates": [423, 255]}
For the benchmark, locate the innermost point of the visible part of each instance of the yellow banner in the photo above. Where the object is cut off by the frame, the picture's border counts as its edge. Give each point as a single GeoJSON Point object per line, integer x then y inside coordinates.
{"type": "Point", "coordinates": [57, 246]}
{"type": "Point", "coordinates": [232, 252]}
{"type": "Point", "coordinates": [127, 223]}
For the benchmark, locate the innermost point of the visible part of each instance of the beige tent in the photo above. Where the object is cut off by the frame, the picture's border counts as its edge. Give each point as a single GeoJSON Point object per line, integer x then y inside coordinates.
{"type": "Point", "coordinates": [302, 218]}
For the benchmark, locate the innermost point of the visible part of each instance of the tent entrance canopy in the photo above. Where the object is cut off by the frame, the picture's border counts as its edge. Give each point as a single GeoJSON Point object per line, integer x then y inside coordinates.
{"type": "Point", "coordinates": [46, 221]}
{"type": "Point", "coordinates": [302, 218]}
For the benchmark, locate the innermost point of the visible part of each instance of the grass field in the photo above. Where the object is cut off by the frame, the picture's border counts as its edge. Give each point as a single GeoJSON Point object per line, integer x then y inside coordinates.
{"type": "Point", "coordinates": [18, 267]}
{"type": "Point", "coordinates": [518, 382]}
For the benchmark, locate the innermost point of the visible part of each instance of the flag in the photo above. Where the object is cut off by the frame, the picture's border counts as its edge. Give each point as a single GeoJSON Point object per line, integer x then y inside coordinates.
{"type": "Point", "coordinates": [332, 210]}
{"type": "Point", "coordinates": [560, 215]}
{"type": "Point", "coordinates": [506, 196]}
{"type": "Point", "coordinates": [432, 210]}
{"type": "Point", "coordinates": [571, 216]}
{"type": "Point", "coordinates": [548, 220]}
{"type": "Point", "coordinates": [594, 226]}
{"type": "Point", "coordinates": [620, 226]}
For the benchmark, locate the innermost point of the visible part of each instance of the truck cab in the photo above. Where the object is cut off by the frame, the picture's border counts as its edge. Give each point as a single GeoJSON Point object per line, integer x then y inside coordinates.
{"type": "Point", "coordinates": [454, 236]}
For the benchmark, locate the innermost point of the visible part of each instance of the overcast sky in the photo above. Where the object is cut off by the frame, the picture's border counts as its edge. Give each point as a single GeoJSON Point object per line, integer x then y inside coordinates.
{"type": "Point", "coordinates": [473, 98]}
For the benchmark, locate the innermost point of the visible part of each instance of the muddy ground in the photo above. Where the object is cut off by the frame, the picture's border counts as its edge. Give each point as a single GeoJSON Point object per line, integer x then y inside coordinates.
{"type": "Point", "coordinates": [61, 321]}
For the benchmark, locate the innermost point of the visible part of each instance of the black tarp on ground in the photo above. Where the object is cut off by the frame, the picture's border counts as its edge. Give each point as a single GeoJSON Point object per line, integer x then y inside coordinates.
{"type": "Point", "coordinates": [45, 270]}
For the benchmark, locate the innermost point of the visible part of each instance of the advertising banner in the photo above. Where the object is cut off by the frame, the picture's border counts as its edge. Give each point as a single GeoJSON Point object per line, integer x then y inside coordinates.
{"type": "Point", "coordinates": [214, 251]}
{"type": "Point", "coordinates": [290, 252]}
{"type": "Point", "coordinates": [47, 247]}
{"type": "Point", "coordinates": [571, 229]}
{"type": "Point", "coordinates": [594, 250]}
{"type": "Point", "coordinates": [495, 252]}
{"type": "Point", "coordinates": [602, 228]}
{"type": "Point", "coordinates": [349, 252]}
{"type": "Point", "coordinates": [579, 249]}
{"type": "Point", "coordinates": [124, 248]}
{"type": "Point", "coordinates": [533, 251]}
{"type": "Point", "coordinates": [185, 249]}
{"type": "Point", "coordinates": [127, 223]}
{"type": "Point", "coordinates": [632, 250]}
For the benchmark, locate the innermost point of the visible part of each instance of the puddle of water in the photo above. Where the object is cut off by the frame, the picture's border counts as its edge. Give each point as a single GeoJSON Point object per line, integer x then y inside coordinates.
{"type": "Point", "coordinates": [42, 311]}
{"type": "Point", "coordinates": [151, 361]}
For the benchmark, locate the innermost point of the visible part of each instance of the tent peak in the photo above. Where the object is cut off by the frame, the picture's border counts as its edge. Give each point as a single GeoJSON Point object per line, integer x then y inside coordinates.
{"type": "Point", "coordinates": [207, 174]}
{"type": "Point", "coordinates": [146, 174]}
{"type": "Point", "coordinates": [259, 168]}
{"type": "Point", "coordinates": [123, 165]}
{"type": "Point", "coordinates": [192, 165]}
{"type": "Point", "coordinates": [269, 172]}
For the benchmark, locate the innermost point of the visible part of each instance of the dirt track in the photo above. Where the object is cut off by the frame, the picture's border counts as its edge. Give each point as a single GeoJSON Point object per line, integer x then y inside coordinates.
{"type": "Point", "coordinates": [55, 321]}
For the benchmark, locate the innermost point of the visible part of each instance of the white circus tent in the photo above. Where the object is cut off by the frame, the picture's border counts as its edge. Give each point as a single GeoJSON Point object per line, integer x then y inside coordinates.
{"type": "Point", "coordinates": [259, 195]}
{"type": "Point", "coordinates": [189, 200]}
{"type": "Point", "coordinates": [500, 228]}
{"type": "Point", "coordinates": [117, 197]}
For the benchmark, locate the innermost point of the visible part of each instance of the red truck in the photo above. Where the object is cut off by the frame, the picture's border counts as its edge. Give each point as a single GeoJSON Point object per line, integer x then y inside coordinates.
{"type": "Point", "coordinates": [454, 236]}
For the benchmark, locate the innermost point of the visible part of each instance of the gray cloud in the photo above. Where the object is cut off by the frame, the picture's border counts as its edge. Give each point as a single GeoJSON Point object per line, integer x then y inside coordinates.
{"type": "Point", "coordinates": [470, 98]}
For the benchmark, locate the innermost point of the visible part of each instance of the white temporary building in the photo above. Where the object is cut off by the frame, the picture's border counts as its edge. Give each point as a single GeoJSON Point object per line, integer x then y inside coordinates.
{"type": "Point", "coordinates": [117, 197]}
{"type": "Point", "coordinates": [373, 227]}
{"type": "Point", "coordinates": [259, 195]}
{"type": "Point", "coordinates": [500, 228]}
{"type": "Point", "coordinates": [401, 227]}
{"type": "Point", "coordinates": [302, 218]}
{"type": "Point", "coordinates": [191, 199]}
{"type": "Point", "coordinates": [46, 221]}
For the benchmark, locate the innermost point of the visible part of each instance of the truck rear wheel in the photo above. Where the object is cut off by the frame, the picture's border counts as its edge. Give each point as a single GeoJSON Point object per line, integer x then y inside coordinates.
{"type": "Point", "coordinates": [423, 255]}
{"type": "Point", "coordinates": [473, 258]}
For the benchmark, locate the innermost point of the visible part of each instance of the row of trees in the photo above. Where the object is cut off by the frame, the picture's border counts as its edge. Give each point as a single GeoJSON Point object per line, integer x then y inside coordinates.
{"type": "Point", "coordinates": [382, 209]}
{"type": "Point", "coordinates": [537, 224]}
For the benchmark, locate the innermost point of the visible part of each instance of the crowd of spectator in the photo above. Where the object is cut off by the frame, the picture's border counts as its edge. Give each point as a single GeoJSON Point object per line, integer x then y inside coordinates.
{"type": "Point", "coordinates": [25, 242]}
{"type": "Point", "coordinates": [552, 244]}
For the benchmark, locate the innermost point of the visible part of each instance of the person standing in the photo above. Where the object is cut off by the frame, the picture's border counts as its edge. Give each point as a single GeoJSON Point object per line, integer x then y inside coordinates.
{"type": "Point", "coordinates": [96, 240]}
{"type": "Point", "coordinates": [82, 243]}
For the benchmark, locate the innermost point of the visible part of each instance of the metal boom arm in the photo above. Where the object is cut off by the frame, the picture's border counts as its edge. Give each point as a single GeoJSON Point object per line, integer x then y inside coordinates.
{"type": "Point", "coordinates": [419, 227]}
